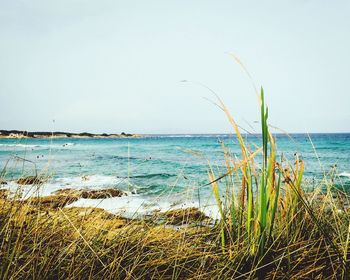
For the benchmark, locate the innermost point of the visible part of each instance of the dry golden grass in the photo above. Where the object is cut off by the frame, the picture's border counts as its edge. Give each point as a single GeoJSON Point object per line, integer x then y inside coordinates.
{"type": "Point", "coordinates": [86, 243]}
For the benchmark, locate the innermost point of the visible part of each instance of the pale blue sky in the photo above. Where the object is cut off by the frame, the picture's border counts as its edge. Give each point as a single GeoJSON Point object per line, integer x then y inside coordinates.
{"type": "Point", "coordinates": [112, 66]}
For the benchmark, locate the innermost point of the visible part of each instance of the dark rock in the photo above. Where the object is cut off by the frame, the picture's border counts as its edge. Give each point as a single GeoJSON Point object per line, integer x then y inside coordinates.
{"type": "Point", "coordinates": [92, 194]}
{"type": "Point", "coordinates": [86, 134]}
{"type": "Point", "coordinates": [46, 134]}
{"type": "Point", "coordinates": [4, 194]}
{"type": "Point", "coordinates": [30, 180]}
{"type": "Point", "coordinates": [52, 201]}
{"type": "Point", "coordinates": [126, 134]}
{"type": "Point", "coordinates": [183, 216]}
{"type": "Point", "coordinates": [98, 194]}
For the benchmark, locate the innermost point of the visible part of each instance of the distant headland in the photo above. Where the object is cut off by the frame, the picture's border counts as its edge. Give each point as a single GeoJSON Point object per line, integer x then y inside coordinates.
{"type": "Point", "coordinates": [59, 134]}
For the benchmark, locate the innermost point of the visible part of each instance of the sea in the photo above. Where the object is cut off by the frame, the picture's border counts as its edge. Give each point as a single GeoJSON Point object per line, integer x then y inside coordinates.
{"type": "Point", "coordinates": [159, 172]}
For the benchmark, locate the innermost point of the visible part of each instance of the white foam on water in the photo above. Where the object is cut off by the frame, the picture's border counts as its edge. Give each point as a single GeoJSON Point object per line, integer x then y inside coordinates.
{"type": "Point", "coordinates": [76, 182]}
{"type": "Point", "coordinates": [41, 146]}
{"type": "Point", "coordinates": [134, 206]}
{"type": "Point", "coordinates": [344, 174]}
{"type": "Point", "coordinates": [25, 191]}
{"type": "Point", "coordinates": [20, 145]}
{"type": "Point", "coordinates": [68, 144]}
{"type": "Point", "coordinates": [130, 206]}
{"type": "Point", "coordinates": [88, 181]}
{"type": "Point", "coordinates": [126, 206]}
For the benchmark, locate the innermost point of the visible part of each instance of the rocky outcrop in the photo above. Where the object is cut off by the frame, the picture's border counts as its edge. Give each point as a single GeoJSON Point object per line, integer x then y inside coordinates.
{"type": "Point", "coordinates": [52, 201]}
{"type": "Point", "coordinates": [92, 194]}
{"type": "Point", "coordinates": [30, 180]}
{"type": "Point", "coordinates": [64, 197]}
{"type": "Point", "coordinates": [182, 216]}
{"type": "Point", "coordinates": [4, 194]}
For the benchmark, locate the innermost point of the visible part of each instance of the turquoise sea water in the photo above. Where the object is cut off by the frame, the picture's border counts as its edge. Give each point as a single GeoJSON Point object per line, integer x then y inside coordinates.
{"type": "Point", "coordinates": [159, 166]}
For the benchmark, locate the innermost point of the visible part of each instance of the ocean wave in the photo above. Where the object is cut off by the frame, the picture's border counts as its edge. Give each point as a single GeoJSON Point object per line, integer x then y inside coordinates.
{"type": "Point", "coordinates": [88, 181]}
{"type": "Point", "coordinates": [112, 157]}
{"type": "Point", "coordinates": [344, 174]}
{"type": "Point", "coordinates": [155, 175]}
{"type": "Point", "coordinates": [135, 206]}
{"type": "Point", "coordinates": [124, 157]}
{"type": "Point", "coordinates": [130, 206]}
{"type": "Point", "coordinates": [76, 182]}
{"type": "Point", "coordinates": [43, 146]}
{"type": "Point", "coordinates": [68, 144]}
{"type": "Point", "coordinates": [189, 135]}
{"type": "Point", "coordinates": [20, 145]}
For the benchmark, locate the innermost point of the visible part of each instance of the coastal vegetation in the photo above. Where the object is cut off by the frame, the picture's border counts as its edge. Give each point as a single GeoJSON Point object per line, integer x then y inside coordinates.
{"type": "Point", "coordinates": [271, 225]}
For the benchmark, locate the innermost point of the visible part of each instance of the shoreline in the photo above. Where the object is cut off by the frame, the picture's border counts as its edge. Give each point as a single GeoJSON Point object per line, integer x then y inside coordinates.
{"type": "Point", "coordinates": [58, 231]}
{"type": "Point", "coordinates": [129, 204]}
{"type": "Point", "coordinates": [15, 134]}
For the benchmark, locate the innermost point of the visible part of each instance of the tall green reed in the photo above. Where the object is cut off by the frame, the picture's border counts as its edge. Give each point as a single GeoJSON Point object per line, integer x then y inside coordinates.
{"type": "Point", "coordinates": [253, 210]}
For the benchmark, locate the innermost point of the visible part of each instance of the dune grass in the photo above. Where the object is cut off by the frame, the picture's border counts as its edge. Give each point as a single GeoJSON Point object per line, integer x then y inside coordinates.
{"type": "Point", "coordinates": [269, 228]}
{"type": "Point", "coordinates": [273, 212]}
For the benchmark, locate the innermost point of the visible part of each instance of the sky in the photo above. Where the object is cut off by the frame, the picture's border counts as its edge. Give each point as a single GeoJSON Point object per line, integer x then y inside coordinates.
{"type": "Point", "coordinates": [113, 66]}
